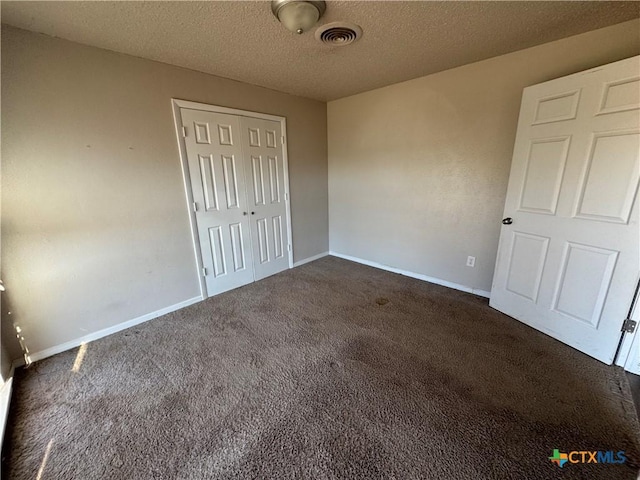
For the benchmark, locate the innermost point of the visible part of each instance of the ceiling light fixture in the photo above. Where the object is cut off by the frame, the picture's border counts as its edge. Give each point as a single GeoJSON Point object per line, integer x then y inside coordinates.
{"type": "Point", "coordinates": [298, 15]}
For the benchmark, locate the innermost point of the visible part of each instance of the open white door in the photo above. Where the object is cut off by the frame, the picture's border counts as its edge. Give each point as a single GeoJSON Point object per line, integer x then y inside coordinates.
{"type": "Point", "coordinates": [568, 259]}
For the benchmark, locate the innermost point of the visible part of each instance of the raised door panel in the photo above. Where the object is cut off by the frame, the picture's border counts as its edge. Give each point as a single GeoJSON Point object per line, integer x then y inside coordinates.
{"type": "Point", "coordinates": [526, 263]}
{"type": "Point", "coordinates": [216, 246]}
{"type": "Point", "coordinates": [202, 133]}
{"type": "Point", "coordinates": [583, 282]}
{"type": "Point", "coordinates": [610, 181]}
{"type": "Point", "coordinates": [209, 174]}
{"type": "Point", "coordinates": [620, 96]}
{"type": "Point", "coordinates": [278, 237]}
{"type": "Point", "coordinates": [557, 107]}
{"type": "Point", "coordinates": [275, 167]}
{"type": "Point", "coordinates": [225, 134]}
{"type": "Point", "coordinates": [271, 138]}
{"type": "Point", "coordinates": [263, 240]}
{"type": "Point", "coordinates": [543, 175]}
{"type": "Point", "coordinates": [233, 195]}
{"type": "Point", "coordinates": [258, 180]}
{"type": "Point", "coordinates": [238, 240]}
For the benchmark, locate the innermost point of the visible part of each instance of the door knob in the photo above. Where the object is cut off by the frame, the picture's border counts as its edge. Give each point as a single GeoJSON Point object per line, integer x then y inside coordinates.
{"type": "Point", "coordinates": [507, 221]}
{"type": "Point", "coordinates": [253, 213]}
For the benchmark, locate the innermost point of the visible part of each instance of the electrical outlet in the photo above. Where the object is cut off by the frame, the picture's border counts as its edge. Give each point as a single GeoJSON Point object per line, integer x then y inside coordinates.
{"type": "Point", "coordinates": [471, 261]}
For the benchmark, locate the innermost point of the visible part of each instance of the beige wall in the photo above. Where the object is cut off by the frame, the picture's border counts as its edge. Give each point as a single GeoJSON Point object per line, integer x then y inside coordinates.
{"type": "Point", "coordinates": [418, 171]}
{"type": "Point", "coordinates": [95, 227]}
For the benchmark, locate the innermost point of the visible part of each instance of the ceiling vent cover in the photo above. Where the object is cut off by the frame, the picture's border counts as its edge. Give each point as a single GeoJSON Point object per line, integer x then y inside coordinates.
{"type": "Point", "coordinates": [338, 33]}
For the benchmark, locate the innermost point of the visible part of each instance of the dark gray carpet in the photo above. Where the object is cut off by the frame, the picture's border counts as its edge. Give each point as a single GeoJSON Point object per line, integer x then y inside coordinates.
{"type": "Point", "coordinates": [634, 386]}
{"type": "Point", "coordinates": [306, 375]}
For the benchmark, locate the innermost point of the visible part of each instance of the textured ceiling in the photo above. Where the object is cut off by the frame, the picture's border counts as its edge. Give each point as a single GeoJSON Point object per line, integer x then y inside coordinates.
{"type": "Point", "coordinates": [243, 41]}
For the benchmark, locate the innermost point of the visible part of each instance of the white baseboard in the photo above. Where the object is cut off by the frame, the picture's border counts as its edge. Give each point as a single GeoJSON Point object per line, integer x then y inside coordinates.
{"type": "Point", "coordinates": [34, 357]}
{"type": "Point", "coordinates": [419, 276]}
{"type": "Point", "coordinates": [310, 259]}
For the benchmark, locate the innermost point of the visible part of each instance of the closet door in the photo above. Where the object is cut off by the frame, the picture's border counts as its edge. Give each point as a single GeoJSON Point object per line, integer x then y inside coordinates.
{"type": "Point", "coordinates": [266, 194]}
{"type": "Point", "coordinates": [217, 173]}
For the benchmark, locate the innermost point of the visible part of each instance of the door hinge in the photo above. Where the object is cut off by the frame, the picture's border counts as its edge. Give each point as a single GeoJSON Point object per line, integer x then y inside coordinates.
{"type": "Point", "coordinates": [184, 132]}
{"type": "Point", "coordinates": [282, 139]}
{"type": "Point", "coordinates": [629, 326]}
{"type": "Point", "coordinates": [286, 197]}
{"type": "Point", "coordinates": [289, 247]}
{"type": "Point", "coordinates": [204, 271]}
{"type": "Point", "coordinates": [195, 207]}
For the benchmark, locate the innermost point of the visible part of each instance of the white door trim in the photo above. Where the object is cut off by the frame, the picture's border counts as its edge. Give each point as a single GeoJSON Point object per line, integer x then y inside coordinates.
{"type": "Point", "coordinates": [176, 105]}
{"type": "Point", "coordinates": [629, 352]}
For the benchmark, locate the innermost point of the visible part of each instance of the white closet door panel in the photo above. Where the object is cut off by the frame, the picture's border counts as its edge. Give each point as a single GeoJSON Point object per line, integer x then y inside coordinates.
{"type": "Point", "coordinates": [264, 163]}
{"type": "Point", "coordinates": [218, 182]}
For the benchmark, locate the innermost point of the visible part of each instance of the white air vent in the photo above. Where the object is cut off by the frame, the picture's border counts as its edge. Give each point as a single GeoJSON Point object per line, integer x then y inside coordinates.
{"type": "Point", "coordinates": [338, 33]}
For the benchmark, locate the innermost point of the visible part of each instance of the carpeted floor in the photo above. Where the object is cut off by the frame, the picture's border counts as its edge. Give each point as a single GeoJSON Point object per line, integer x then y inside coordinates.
{"type": "Point", "coordinates": [308, 374]}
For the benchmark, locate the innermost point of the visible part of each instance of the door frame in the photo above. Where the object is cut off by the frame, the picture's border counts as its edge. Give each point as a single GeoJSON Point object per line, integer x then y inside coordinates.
{"type": "Point", "coordinates": [176, 105]}
{"type": "Point", "coordinates": [629, 352]}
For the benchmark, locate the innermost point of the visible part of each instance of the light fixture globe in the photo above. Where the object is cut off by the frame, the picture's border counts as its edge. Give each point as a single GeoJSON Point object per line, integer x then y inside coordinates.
{"type": "Point", "coordinates": [298, 16]}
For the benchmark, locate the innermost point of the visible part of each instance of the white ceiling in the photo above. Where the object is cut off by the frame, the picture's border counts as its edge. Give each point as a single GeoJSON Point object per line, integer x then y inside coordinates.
{"type": "Point", "coordinates": [244, 41]}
